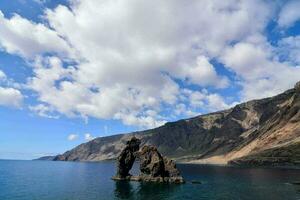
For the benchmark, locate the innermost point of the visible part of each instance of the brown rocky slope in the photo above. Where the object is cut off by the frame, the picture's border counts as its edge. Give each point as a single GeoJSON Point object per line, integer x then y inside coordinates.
{"type": "Point", "coordinates": [236, 134]}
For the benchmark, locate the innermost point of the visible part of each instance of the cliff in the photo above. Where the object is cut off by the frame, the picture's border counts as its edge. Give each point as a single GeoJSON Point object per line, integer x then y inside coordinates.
{"type": "Point", "coordinates": [247, 131]}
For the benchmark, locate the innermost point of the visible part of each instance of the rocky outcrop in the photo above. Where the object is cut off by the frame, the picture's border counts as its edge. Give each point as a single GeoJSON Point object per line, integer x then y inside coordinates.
{"type": "Point", "coordinates": [151, 162]}
{"type": "Point", "coordinates": [127, 157]}
{"type": "Point", "coordinates": [153, 166]}
{"type": "Point", "coordinates": [216, 138]}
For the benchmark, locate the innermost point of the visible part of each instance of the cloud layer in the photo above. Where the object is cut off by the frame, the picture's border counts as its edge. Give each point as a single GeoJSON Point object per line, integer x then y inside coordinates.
{"type": "Point", "coordinates": [146, 62]}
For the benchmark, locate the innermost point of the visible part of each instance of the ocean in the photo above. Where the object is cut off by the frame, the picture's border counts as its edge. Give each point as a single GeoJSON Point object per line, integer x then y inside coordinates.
{"type": "Point", "coordinates": [48, 180]}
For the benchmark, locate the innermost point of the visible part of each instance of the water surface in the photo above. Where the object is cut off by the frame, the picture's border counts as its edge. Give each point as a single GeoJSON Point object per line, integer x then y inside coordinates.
{"type": "Point", "coordinates": [46, 180]}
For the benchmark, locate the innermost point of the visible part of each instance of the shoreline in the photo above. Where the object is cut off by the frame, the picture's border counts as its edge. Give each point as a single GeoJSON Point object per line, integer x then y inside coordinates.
{"type": "Point", "coordinates": [221, 164]}
{"type": "Point", "coordinates": [193, 162]}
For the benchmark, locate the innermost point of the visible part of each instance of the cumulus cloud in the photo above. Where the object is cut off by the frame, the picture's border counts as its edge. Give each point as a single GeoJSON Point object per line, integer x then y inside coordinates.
{"type": "Point", "coordinates": [137, 51]}
{"type": "Point", "coordinates": [44, 111]}
{"type": "Point", "coordinates": [289, 49]}
{"type": "Point", "coordinates": [10, 97]}
{"type": "Point", "coordinates": [26, 38]}
{"type": "Point", "coordinates": [73, 137]}
{"type": "Point", "coordinates": [289, 14]}
{"type": "Point", "coordinates": [202, 72]}
{"type": "Point", "coordinates": [209, 102]}
{"type": "Point", "coordinates": [88, 137]}
{"type": "Point", "coordinates": [134, 60]}
{"type": "Point", "coordinates": [258, 67]}
{"type": "Point", "coordinates": [196, 98]}
{"type": "Point", "coordinates": [185, 110]}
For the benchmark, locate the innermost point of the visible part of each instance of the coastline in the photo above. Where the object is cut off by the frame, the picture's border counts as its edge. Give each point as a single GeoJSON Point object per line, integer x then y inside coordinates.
{"type": "Point", "coordinates": [272, 166]}
{"type": "Point", "coordinates": [203, 162]}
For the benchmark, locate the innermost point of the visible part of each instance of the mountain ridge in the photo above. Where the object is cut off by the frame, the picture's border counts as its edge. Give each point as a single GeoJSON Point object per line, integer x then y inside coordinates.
{"type": "Point", "coordinates": [215, 138]}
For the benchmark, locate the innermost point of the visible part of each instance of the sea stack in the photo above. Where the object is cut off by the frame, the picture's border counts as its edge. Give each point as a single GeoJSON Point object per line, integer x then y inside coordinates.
{"type": "Point", "coordinates": [156, 168]}
{"type": "Point", "coordinates": [127, 158]}
{"type": "Point", "coordinates": [153, 166]}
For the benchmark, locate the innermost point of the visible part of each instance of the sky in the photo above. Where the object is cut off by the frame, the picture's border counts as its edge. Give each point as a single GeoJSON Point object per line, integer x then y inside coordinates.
{"type": "Point", "coordinates": [73, 70]}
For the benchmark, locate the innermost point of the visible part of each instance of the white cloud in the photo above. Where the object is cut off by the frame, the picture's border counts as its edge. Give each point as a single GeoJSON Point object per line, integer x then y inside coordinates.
{"type": "Point", "coordinates": [240, 59]}
{"type": "Point", "coordinates": [209, 102]}
{"type": "Point", "coordinates": [260, 70]}
{"type": "Point", "coordinates": [289, 14]}
{"type": "Point", "coordinates": [44, 111]}
{"type": "Point", "coordinates": [197, 98]}
{"type": "Point", "coordinates": [130, 53]}
{"type": "Point", "coordinates": [183, 110]}
{"type": "Point", "coordinates": [73, 137]}
{"type": "Point", "coordinates": [128, 57]}
{"type": "Point", "coordinates": [10, 97]}
{"type": "Point", "coordinates": [289, 48]}
{"type": "Point", "coordinates": [147, 121]}
{"type": "Point", "coordinates": [202, 73]}
{"type": "Point", "coordinates": [2, 75]}
{"type": "Point", "coordinates": [88, 137]}
{"type": "Point", "coordinates": [216, 102]}
{"type": "Point", "coordinates": [26, 38]}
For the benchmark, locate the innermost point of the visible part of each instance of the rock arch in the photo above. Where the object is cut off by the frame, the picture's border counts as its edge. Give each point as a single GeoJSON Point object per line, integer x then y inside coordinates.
{"type": "Point", "coordinates": [127, 157]}
{"type": "Point", "coordinates": [153, 166]}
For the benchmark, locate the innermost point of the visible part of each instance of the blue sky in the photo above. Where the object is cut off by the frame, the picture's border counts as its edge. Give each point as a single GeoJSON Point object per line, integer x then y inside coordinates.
{"type": "Point", "coordinates": [71, 70]}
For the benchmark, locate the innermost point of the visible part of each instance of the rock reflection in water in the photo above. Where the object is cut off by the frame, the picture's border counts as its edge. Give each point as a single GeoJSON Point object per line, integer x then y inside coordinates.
{"type": "Point", "coordinates": [129, 190]}
{"type": "Point", "coordinates": [124, 190]}
{"type": "Point", "coordinates": [156, 190]}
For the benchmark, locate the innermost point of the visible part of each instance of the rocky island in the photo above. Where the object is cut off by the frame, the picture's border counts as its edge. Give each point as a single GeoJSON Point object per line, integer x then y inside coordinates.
{"type": "Point", "coordinates": [153, 166]}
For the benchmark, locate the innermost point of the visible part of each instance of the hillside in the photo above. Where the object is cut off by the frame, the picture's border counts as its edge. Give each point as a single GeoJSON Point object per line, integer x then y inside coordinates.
{"type": "Point", "coordinates": [248, 129]}
{"type": "Point", "coordinates": [46, 158]}
{"type": "Point", "coordinates": [286, 155]}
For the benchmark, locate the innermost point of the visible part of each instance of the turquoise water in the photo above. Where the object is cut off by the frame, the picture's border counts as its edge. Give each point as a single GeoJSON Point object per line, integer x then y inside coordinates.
{"type": "Point", "coordinates": [46, 180]}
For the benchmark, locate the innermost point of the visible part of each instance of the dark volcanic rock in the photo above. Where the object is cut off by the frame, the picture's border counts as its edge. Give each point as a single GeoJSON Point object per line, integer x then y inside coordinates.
{"type": "Point", "coordinates": [153, 166]}
{"type": "Point", "coordinates": [127, 157]}
{"type": "Point", "coordinates": [170, 168]}
{"type": "Point", "coordinates": [151, 162]}
{"type": "Point", "coordinates": [156, 168]}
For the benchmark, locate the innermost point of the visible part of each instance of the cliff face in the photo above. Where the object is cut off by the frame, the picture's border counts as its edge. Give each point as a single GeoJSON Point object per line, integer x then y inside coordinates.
{"type": "Point", "coordinates": [246, 129]}
{"type": "Point", "coordinates": [286, 155]}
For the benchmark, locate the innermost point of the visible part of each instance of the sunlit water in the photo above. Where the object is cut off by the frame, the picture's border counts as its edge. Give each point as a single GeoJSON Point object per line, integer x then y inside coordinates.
{"type": "Point", "coordinates": [46, 180]}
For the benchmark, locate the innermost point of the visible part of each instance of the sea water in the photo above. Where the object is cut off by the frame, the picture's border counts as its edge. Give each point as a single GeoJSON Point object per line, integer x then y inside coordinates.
{"type": "Point", "coordinates": [48, 180]}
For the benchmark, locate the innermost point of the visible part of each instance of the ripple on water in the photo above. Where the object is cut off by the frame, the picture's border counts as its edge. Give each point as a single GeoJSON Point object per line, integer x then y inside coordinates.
{"type": "Point", "coordinates": [46, 180]}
